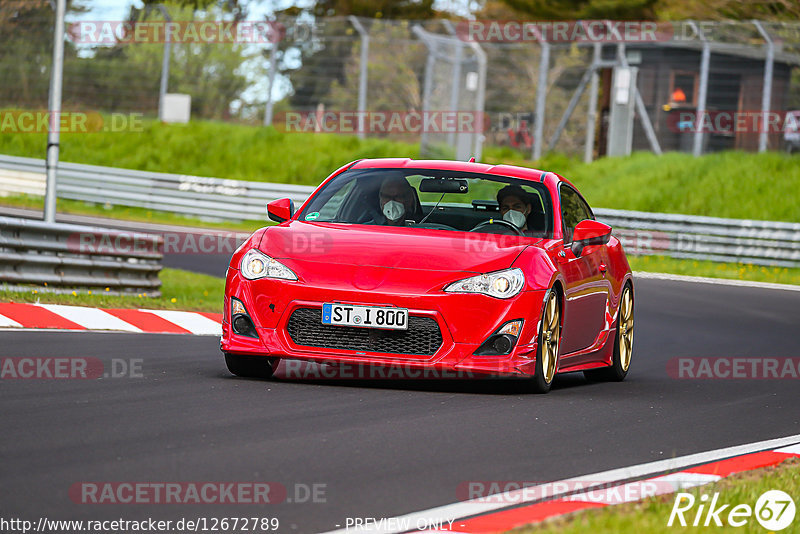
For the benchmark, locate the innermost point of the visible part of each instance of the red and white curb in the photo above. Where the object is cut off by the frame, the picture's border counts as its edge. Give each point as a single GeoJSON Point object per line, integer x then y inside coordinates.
{"type": "Point", "coordinates": [83, 318]}
{"type": "Point", "coordinates": [504, 511]}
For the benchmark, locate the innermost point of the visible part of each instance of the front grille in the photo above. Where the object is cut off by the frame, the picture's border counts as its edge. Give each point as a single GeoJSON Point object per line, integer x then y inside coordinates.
{"type": "Point", "coordinates": [423, 336]}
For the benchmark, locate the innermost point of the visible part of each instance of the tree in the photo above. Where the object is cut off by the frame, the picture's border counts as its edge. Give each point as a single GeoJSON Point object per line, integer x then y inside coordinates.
{"type": "Point", "coordinates": [323, 60]}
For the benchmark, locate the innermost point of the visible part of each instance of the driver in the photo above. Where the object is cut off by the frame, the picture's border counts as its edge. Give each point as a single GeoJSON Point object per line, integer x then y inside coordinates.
{"type": "Point", "coordinates": [396, 198]}
{"type": "Point", "coordinates": [514, 206]}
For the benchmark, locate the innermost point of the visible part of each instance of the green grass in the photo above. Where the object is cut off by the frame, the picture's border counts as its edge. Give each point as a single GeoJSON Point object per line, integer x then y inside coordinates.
{"type": "Point", "coordinates": [737, 185]}
{"type": "Point", "coordinates": [711, 269]}
{"type": "Point", "coordinates": [217, 149]}
{"type": "Point", "coordinates": [728, 184]}
{"type": "Point", "coordinates": [652, 515]}
{"type": "Point", "coordinates": [180, 290]}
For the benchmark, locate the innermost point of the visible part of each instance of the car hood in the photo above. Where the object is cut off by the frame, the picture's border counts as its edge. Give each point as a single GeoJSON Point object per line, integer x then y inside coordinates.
{"type": "Point", "coordinates": [386, 247]}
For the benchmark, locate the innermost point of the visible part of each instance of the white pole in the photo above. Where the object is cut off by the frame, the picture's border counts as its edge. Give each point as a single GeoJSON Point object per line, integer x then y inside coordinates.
{"type": "Point", "coordinates": [766, 91]}
{"type": "Point", "coordinates": [362, 79]}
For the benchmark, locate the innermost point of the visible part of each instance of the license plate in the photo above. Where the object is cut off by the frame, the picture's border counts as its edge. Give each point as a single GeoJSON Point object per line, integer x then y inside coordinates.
{"type": "Point", "coordinates": [366, 316]}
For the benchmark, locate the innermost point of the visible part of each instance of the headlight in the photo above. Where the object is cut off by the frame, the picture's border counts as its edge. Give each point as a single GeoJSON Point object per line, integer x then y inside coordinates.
{"type": "Point", "coordinates": [255, 264]}
{"type": "Point", "coordinates": [501, 284]}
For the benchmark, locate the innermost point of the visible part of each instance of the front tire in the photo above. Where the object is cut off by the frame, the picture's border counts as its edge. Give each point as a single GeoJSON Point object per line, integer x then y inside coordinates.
{"type": "Point", "coordinates": [549, 343]}
{"type": "Point", "coordinates": [251, 366]}
{"type": "Point", "coordinates": [623, 343]}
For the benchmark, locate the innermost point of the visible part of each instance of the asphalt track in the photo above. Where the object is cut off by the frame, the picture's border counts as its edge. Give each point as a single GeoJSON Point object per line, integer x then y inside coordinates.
{"type": "Point", "coordinates": [382, 448]}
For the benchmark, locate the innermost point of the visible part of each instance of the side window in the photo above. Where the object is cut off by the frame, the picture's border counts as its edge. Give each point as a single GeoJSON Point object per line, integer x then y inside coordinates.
{"type": "Point", "coordinates": [573, 211]}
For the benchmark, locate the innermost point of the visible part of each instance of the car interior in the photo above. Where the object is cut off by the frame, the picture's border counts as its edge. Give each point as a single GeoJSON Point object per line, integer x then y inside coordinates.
{"type": "Point", "coordinates": [441, 200]}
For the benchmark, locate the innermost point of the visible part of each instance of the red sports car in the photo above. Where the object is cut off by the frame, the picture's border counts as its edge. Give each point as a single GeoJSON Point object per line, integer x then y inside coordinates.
{"type": "Point", "coordinates": [433, 265]}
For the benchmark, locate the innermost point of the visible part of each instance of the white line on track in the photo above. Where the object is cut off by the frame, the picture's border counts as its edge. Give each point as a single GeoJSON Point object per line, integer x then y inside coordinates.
{"type": "Point", "coordinates": [717, 281]}
{"type": "Point", "coordinates": [460, 510]}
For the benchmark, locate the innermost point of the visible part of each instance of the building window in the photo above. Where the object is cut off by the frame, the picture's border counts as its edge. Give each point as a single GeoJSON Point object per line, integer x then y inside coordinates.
{"type": "Point", "coordinates": [683, 86]}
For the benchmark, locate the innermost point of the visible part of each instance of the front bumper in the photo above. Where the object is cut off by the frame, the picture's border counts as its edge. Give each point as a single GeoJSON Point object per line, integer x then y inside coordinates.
{"type": "Point", "coordinates": [464, 322]}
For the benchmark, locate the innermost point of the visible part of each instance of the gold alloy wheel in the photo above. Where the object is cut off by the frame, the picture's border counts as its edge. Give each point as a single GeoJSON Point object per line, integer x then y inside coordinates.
{"type": "Point", "coordinates": [551, 335]}
{"type": "Point", "coordinates": [626, 329]}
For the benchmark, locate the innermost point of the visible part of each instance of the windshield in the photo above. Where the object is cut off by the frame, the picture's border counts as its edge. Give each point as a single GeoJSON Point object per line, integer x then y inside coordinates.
{"type": "Point", "coordinates": [434, 199]}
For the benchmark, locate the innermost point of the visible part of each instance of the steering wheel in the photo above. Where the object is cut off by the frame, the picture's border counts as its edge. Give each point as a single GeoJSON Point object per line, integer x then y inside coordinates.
{"type": "Point", "coordinates": [503, 224]}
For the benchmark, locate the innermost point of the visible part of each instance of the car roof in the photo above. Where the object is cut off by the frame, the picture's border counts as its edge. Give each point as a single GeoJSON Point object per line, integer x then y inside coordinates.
{"type": "Point", "coordinates": [450, 165]}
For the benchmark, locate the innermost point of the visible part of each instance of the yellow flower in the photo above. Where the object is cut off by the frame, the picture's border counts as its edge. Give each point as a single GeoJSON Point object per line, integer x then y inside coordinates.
{"type": "Point", "coordinates": [74, 294]}
{"type": "Point", "coordinates": [173, 299]}
{"type": "Point", "coordinates": [90, 291]}
{"type": "Point", "coordinates": [108, 289]}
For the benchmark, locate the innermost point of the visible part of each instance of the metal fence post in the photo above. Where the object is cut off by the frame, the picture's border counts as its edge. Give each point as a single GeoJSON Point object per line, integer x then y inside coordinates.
{"type": "Point", "coordinates": [702, 92]}
{"type": "Point", "coordinates": [479, 105]}
{"type": "Point", "coordinates": [641, 109]}
{"type": "Point", "coordinates": [455, 89]}
{"type": "Point", "coordinates": [362, 80]}
{"type": "Point", "coordinates": [162, 91]}
{"type": "Point", "coordinates": [541, 96]}
{"type": "Point", "coordinates": [273, 66]}
{"type": "Point", "coordinates": [428, 84]}
{"type": "Point", "coordinates": [53, 133]}
{"type": "Point", "coordinates": [591, 116]}
{"type": "Point", "coordinates": [766, 91]}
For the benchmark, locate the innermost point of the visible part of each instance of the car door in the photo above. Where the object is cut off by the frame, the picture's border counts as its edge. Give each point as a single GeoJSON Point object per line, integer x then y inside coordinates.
{"type": "Point", "coordinates": [587, 290]}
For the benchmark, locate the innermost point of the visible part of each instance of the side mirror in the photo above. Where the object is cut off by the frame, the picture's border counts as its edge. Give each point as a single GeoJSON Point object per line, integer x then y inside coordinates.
{"type": "Point", "coordinates": [280, 210]}
{"type": "Point", "coordinates": [589, 232]}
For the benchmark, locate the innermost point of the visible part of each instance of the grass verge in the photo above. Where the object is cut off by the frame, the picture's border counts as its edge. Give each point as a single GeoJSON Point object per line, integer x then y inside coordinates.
{"type": "Point", "coordinates": [732, 184]}
{"type": "Point", "coordinates": [652, 515]}
{"type": "Point", "coordinates": [180, 290]}
{"type": "Point", "coordinates": [711, 269]}
{"type": "Point", "coordinates": [209, 148]}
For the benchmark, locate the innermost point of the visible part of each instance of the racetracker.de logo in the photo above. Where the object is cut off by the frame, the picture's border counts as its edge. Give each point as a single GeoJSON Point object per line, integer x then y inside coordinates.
{"type": "Point", "coordinates": [382, 122]}
{"type": "Point", "coordinates": [142, 244]}
{"type": "Point", "coordinates": [301, 370]}
{"type": "Point", "coordinates": [519, 491]}
{"type": "Point", "coordinates": [208, 492]}
{"type": "Point", "coordinates": [727, 368]}
{"type": "Point", "coordinates": [566, 31]}
{"type": "Point", "coordinates": [68, 368]}
{"type": "Point", "coordinates": [106, 32]}
{"type": "Point", "coordinates": [730, 121]}
{"type": "Point", "coordinates": [38, 122]}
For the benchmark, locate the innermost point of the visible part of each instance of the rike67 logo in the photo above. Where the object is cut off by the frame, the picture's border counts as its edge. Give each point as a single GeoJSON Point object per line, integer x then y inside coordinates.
{"type": "Point", "coordinates": [774, 510]}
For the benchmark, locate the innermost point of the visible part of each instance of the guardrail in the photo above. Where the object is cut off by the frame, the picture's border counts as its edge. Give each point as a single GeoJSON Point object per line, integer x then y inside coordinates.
{"type": "Point", "coordinates": [706, 238]}
{"type": "Point", "coordinates": [75, 256]}
{"type": "Point", "coordinates": [213, 198]}
{"type": "Point", "coordinates": [679, 236]}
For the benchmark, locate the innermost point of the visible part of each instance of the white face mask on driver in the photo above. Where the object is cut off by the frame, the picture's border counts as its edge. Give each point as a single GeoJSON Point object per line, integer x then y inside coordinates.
{"type": "Point", "coordinates": [393, 210]}
{"type": "Point", "coordinates": [517, 218]}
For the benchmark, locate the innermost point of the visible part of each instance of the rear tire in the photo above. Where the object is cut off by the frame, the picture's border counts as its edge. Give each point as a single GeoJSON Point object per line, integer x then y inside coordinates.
{"type": "Point", "coordinates": [548, 345]}
{"type": "Point", "coordinates": [251, 366]}
{"type": "Point", "coordinates": [623, 344]}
